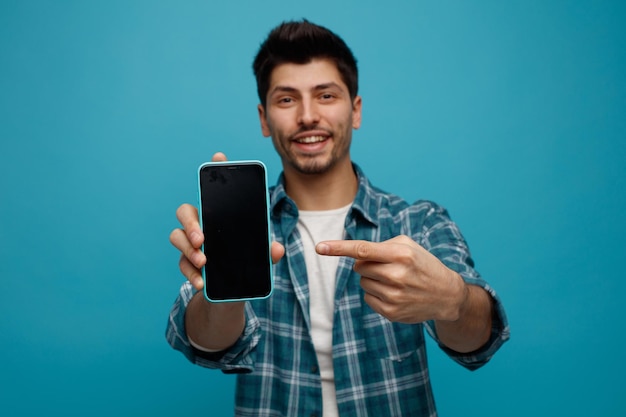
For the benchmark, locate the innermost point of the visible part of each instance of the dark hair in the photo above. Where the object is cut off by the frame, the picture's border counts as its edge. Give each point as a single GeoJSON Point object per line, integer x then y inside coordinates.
{"type": "Point", "coordinates": [300, 42]}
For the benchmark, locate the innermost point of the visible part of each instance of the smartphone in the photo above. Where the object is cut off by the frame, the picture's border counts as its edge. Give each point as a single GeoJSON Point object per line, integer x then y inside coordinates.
{"type": "Point", "coordinates": [234, 216]}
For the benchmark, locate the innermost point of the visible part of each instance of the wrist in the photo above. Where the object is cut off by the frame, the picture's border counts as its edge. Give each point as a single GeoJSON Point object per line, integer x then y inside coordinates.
{"type": "Point", "coordinates": [458, 300]}
{"type": "Point", "coordinates": [214, 326]}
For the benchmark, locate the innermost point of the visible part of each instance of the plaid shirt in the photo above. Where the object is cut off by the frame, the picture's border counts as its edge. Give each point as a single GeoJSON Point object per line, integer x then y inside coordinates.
{"type": "Point", "coordinates": [380, 367]}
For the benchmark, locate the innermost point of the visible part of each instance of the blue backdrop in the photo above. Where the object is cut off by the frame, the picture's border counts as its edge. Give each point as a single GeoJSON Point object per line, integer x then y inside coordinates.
{"type": "Point", "coordinates": [510, 114]}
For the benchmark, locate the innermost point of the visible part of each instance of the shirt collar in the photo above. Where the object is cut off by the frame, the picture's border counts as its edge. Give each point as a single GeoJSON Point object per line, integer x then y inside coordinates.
{"type": "Point", "coordinates": [364, 205]}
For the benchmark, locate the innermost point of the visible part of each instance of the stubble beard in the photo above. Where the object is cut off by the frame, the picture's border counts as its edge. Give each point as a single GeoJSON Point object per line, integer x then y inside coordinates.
{"type": "Point", "coordinates": [314, 164]}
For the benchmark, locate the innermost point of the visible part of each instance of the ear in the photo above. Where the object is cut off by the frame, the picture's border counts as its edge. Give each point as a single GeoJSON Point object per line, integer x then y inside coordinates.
{"type": "Point", "coordinates": [356, 112]}
{"type": "Point", "coordinates": [265, 129]}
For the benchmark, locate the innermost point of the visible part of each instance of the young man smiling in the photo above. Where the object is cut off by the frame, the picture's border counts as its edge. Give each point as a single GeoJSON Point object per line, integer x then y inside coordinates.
{"type": "Point", "coordinates": [359, 273]}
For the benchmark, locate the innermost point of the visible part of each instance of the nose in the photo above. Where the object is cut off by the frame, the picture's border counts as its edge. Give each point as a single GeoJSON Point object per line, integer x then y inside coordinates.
{"type": "Point", "coordinates": [308, 113]}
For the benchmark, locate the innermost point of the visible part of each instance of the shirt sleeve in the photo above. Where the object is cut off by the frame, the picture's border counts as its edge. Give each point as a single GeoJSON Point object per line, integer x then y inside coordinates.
{"type": "Point", "coordinates": [442, 238]}
{"type": "Point", "coordinates": [239, 358]}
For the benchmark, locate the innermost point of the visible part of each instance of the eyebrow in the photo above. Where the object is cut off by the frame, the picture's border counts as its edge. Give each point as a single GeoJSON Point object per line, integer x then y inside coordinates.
{"type": "Point", "coordinates": [326, 86]}
{"type": "Point", "coordinates": [288, 89]}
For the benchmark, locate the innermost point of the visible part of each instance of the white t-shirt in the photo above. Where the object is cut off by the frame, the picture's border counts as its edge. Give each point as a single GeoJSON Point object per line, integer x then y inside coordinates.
{"type": "Point", "coordinates": [314, 227]}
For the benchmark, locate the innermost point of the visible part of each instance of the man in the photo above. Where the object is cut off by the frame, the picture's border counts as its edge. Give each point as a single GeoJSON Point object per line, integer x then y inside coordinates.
{"type": "Point", "coordinates": [359, 273]}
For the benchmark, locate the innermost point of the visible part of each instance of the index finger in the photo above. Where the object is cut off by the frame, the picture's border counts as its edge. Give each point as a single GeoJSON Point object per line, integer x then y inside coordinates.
{"type": "Point", "coordinates": [357, 249]}
{"type": "Point", "coordinates": [187, 215]}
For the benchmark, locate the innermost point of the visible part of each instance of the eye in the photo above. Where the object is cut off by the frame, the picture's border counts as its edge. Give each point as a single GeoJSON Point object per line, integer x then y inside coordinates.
{"type": "Point", "coordinates": [284, 100]}
{"type": "Point", "coordinates": [327, 96]}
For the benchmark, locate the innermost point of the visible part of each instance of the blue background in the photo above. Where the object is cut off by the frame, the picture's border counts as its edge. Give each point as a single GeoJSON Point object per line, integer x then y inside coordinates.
{"type": "Point", "coordinates": [510, 114]}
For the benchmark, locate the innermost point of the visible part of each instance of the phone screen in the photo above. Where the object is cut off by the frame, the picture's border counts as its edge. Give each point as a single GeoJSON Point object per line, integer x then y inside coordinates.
{"type": "Point", "coordinates": [234, 219]}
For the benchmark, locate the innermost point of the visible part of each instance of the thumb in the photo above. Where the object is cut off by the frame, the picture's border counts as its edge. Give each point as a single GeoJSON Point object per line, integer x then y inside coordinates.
{"type": "Point", "coordinates": [277, 250]}
{"type": "Point", "coordinates": [219, 157]}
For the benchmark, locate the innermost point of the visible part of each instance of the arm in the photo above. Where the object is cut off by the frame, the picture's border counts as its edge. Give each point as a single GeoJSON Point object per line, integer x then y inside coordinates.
{"type": "Point", "coordinates": [209, 325]}
{"type": "Point", "coordinates": [473, 327]}
{"type": "Point", "coordinates": [405, 283]}
{"type": "Point", "coordinates": [212, 326]}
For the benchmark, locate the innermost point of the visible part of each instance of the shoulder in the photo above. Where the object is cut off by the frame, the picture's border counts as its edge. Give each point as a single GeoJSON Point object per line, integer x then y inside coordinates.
{"type": "Point", "coordinates": [395, 206]}
{"type": "Point", "coordinates": [394, 215]}
{"type": "Point", "coordinates": [381, 206]}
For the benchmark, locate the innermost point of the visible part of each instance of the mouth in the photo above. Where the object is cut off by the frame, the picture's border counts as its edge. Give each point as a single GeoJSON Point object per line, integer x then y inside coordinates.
{"type": "Point", "coordinates": [311, 142]}
{"type": "Point", "coordinates": [311, 139]}
{"type": "Point", "coordinates": [311, 136]}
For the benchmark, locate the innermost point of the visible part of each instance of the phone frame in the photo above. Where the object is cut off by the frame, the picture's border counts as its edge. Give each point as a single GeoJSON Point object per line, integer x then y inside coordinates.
{"type": "Point", "coordinates": [269, 233]}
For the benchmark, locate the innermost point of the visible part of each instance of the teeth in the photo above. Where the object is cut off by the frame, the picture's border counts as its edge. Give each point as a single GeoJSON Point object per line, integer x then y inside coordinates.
{"type": "Point", "coordinates": [311, 139]}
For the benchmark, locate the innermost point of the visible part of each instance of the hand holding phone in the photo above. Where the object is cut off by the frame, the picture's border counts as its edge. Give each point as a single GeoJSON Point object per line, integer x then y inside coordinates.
{"type": "Point", "coordinates": [234, 217]}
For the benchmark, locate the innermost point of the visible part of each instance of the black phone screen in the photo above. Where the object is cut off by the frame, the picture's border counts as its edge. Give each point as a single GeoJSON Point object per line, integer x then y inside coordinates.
{"type": "Point", "coordinates": [234, 218]}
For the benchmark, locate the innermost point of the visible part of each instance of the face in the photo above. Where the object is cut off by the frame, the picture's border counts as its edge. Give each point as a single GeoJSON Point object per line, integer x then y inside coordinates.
{"type": "Point", "coordinates": [310, 116]}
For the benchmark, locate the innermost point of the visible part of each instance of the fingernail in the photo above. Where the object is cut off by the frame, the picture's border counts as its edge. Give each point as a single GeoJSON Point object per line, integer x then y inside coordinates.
{"type": "Point", "coordinates": [323, 249]}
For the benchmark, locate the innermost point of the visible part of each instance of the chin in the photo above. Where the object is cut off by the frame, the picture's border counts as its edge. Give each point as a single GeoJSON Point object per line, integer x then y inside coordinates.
{"type": "Point", "coordinates": [313, 167]}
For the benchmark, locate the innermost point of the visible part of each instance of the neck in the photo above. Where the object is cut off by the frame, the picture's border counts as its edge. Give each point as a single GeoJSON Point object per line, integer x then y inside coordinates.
{"type": "Point", "coordinates": [333, 189]}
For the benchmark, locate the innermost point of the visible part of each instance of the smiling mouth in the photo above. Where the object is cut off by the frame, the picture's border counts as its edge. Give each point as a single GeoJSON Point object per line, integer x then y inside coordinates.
{"type": "Point", "coordinates": [311, 139]}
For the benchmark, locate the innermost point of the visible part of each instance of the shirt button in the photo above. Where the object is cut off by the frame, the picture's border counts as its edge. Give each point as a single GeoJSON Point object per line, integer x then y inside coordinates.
{"type": "Point", "coordinates": [313, 415]}
{"type": "Point", "coordinates": [314, 370]}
